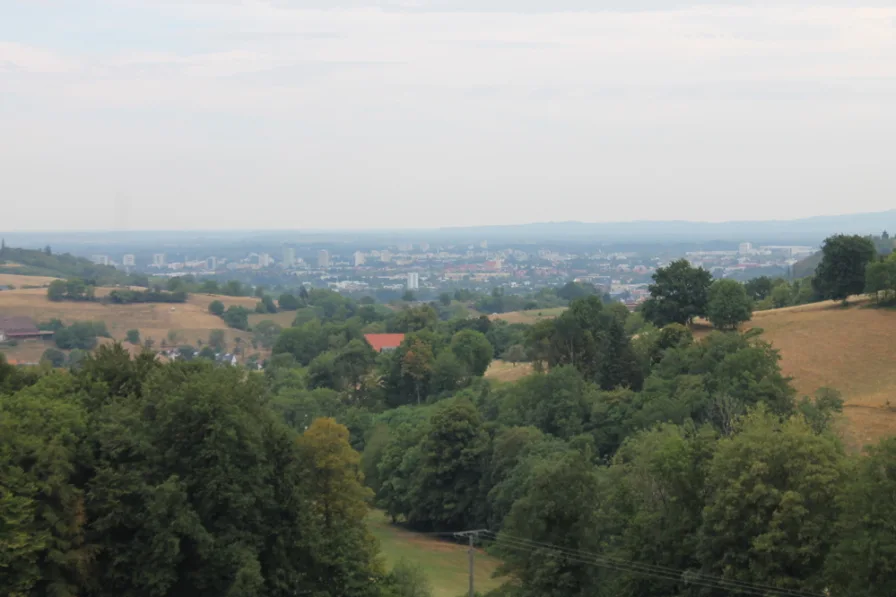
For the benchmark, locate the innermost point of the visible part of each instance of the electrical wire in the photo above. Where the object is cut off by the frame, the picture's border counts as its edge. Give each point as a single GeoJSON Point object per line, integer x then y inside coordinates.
{"type": "Point", "coordinates": [662, 572]}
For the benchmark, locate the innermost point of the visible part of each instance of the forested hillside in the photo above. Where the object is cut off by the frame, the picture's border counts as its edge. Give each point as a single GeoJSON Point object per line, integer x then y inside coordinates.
{"type": "Point", "coordinates": [47, 263]}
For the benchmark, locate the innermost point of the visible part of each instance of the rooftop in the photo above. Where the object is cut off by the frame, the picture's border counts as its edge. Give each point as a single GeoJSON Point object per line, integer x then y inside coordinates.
{"type": "Point", "coordinates": [381, 342]}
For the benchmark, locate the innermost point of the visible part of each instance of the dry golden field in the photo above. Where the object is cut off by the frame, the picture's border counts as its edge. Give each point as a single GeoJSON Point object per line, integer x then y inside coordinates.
{"type": "Point", "coordinates": [850, 349]}
{"type": "Point", "coordinates": [191, 321]}
{"type": "Point", "coordinates": [18, 280]}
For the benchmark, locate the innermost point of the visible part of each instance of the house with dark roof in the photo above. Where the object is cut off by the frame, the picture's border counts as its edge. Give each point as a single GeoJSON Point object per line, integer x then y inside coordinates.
{"type": "Point", "coordinates": [19, 328]}
{"type": "Point", "coordinates": [384, 342]}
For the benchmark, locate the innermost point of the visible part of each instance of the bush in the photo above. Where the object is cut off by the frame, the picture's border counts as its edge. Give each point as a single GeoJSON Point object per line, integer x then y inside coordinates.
{"type": "Point", "coordinates": [133, 336]}
{"type": "Point", "coordinates": [54, 357]}
{"type": "Point", "coordinates": [81, 334]}
{"type": "Point", "coordinates": [729, 304]}
{"type": "Point", "coordinates": [288, 302]}
{"type": "Point", "coordinates": [237, 318]}
{"type": "Point", "coordinates": [216, 308]}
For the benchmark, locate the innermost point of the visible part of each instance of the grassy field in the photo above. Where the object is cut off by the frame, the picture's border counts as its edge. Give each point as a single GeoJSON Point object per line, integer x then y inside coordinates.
{"type": "Point", "coordinates": [850, 349]}
{"type": "Point", "coordinates": [191, 321]}
{"type": "Point", "coordinates": [529, 317]}
{"type": "Point", "coordinates": [505, 371]}
{"type": "Point", "coordinates": [18, 280]}
{"type": "Point", "coordinates": [284, 318]}
{"type": "Point", "coordinates": [445, 563]}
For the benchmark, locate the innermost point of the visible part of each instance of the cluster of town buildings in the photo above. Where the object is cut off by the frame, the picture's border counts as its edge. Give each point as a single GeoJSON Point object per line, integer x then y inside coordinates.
{"type": "Point", "coordinates": [422, 266]}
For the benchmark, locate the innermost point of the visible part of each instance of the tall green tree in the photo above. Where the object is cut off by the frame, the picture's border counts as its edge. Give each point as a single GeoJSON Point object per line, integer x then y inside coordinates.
{"type": "Point", "coordinates": [473, 350]}
{"type": "Point", "coordinates": [653, 506]}
{"type": "Point", "coordinates": [343, 552]}
{"type": "Point", "coordinates": [679, 293]}
{"type": "Point", "coordinates": [841, 272]}
{"type": "Point", "coordinates": [863, 560]}
{"type": "Point", "coordinates": [560, 507]}
{"type": "Point", "coordinates": [729, 305]}
{"type": "Point", "coordinates": [771, 505]}
{"type": "Point", "coordinates": [452, 457]}
{"type": "Point", "coordinates": [880, 280]}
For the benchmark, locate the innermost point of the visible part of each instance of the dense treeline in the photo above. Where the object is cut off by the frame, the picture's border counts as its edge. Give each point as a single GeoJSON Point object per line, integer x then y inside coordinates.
{"type": "Point", "coordinates": [128, 477]}
{"type": "Point", "coordinates": [79, 290]}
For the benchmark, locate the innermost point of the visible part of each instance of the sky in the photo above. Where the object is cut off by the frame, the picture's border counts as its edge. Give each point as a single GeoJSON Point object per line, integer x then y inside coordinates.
{"type": "Point", "coordinates": [354, 114]}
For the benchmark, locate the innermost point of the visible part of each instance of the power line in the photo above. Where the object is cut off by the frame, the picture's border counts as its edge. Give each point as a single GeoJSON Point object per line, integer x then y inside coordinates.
{"type": "Point", "coordinates": [660, 572]}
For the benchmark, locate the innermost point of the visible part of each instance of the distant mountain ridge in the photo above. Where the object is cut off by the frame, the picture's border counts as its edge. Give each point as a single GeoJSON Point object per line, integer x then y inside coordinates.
{"type": "Point", "coordinates": [805, 231]}
{"type": "Point", "coordinates": [810, 231]}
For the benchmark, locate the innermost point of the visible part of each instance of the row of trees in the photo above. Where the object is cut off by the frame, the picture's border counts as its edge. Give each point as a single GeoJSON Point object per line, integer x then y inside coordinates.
{"type": "Point", "coordinates": [849, 266]}
{"type": "Point", "coordinates": [80, 290]}
{"type": "Point", "coordinates": [680, 293]}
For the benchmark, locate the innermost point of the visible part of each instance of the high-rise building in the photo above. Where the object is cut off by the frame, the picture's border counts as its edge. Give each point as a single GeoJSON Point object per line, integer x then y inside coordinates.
{"type": "Point", "coordinates": [289, 257]}
{"type": "Point", "coordinates": [265, 260]}
{"type": "Point", "coordinates": [100, 259]}
{"type": "Point", "coordinates": [424, 246]}
{"type": "Point", "coordinates": [484, 244]}
{"type": "Point", "coordinates": [385, 256]}
{"type": "Point", "coordinates": [323, 259]}
{"type": "Point", "coordinates": [359, 258]}
{"type": "Point", "coordinates": [745, 248]}
{"type": "Point", "coordinates": [211, 263]}
{"type": "Point", "coordinates": [413, 281]}
{"type": "Point", "coordinates": [158, 260]}
{"type": "Point", "coordinates": [128, 260]}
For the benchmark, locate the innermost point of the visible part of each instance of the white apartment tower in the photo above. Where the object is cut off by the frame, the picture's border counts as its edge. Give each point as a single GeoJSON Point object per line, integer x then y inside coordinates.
{"type": "Point", "coordinates": [289, 257]}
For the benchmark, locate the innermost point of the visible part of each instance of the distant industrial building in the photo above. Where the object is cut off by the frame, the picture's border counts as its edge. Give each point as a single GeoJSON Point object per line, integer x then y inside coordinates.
{"type": "Point", "coordinates": [323, 259]}
{"type": "Point", "coordinates": [413, 281]}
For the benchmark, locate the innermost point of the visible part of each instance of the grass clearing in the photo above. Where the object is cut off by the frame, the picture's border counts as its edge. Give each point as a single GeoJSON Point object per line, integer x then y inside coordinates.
{"type": "Point", "coordinates": [284, 318]}
{"type": "Point", "coordinates": [505, 371]}
{"type": "Point", "coordinates": [529, 317]}
{"type": "Point", "coordinates": [445, 563]}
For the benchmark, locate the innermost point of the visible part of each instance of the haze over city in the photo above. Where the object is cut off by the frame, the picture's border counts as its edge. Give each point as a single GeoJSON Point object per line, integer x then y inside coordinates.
{"type": "Point", "coordinates": [363, 114]}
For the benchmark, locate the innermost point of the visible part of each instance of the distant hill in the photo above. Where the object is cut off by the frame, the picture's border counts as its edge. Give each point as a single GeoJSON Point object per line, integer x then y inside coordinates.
{"type": "Point", "coordinates": [806, 267]}
{"type": "Point", "coordinates": [27, 262]}
{"type": "Point", "coordinates": [806, 231]}
{"type": "Point", "coordinates": [810, 231]}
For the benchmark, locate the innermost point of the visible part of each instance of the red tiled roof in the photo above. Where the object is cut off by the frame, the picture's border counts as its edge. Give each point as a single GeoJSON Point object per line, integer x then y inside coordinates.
{"type": "Point", "coordinates": [381, 341]}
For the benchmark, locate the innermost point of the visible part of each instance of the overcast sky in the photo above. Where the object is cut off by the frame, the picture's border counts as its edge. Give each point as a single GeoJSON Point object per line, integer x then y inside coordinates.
{"type": "Point", "coordinates": [143, 114]}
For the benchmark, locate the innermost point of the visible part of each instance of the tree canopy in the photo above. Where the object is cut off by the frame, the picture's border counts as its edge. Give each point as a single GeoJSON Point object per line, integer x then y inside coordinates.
{"type": "Point", "coordinates": [679, 293]}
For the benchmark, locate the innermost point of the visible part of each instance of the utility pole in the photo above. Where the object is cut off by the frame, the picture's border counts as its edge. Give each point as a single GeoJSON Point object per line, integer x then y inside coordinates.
{"type": "Point", "coordinates": [471, 552]}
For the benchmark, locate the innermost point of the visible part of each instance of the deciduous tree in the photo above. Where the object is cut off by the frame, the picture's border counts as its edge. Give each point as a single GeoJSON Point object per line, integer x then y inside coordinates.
{"type": "Point", "coordinates": [841, 272]}
{"type": "Point", "coordinates": [679, 293]}
{"type": "Point", "coordinates": [729, 305]}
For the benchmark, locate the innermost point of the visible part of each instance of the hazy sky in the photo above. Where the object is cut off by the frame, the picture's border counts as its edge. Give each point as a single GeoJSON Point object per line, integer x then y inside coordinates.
{"type": "Point", "coordinates": [305, 114]}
